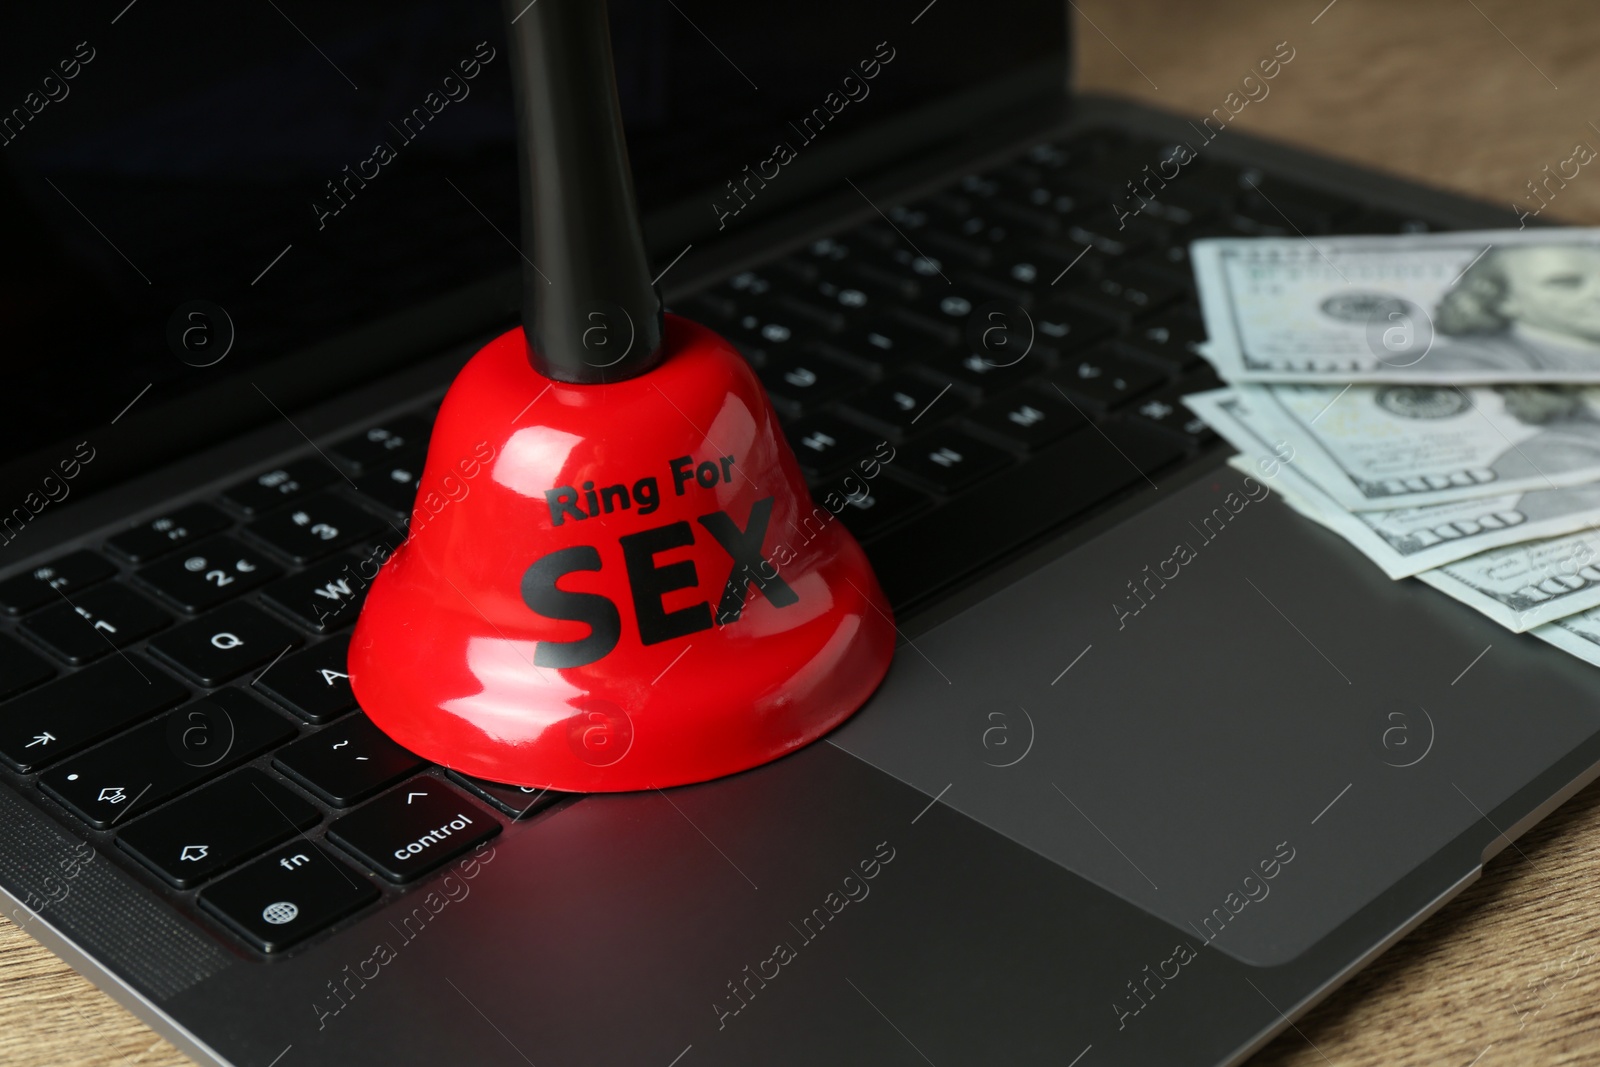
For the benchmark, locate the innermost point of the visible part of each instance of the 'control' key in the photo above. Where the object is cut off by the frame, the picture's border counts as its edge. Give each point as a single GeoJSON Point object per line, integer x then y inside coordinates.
{"type": "Point", "coordinates": [408, 832]}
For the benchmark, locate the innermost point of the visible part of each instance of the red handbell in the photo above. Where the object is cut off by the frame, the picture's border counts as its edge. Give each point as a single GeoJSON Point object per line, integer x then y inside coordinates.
{"type": "Point", "coordinates": [618, 586]}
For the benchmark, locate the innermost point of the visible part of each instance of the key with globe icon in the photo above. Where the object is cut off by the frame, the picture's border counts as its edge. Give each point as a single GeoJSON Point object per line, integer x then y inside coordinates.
{"type": "Point", "coordinates": [286, 895]}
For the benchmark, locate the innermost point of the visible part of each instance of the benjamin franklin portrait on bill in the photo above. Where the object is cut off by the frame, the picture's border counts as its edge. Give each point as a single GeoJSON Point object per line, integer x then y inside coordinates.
{"type": "Point", "coordinates": [1527, 307]}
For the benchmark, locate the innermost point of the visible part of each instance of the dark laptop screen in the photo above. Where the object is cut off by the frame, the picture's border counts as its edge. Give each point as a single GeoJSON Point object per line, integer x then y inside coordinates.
{"type": "Point", "coordinates": [307, 168]}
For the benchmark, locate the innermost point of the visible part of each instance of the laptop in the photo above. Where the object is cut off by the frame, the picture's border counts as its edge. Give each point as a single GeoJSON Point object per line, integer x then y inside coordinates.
{"type": "Point", "coordinates": [1104, 809]}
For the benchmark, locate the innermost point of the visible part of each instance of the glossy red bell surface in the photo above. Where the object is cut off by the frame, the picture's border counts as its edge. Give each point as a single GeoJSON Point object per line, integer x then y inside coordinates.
{"type": "Point", "coordinates": [619, 586]}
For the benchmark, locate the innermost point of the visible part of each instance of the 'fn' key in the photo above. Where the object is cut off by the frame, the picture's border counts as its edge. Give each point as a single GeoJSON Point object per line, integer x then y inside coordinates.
{"type": "Point", "coordinates": [287, 896]}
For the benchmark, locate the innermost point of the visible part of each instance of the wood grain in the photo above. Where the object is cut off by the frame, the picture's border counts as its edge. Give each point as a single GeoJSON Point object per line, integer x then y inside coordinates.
{"type": "Point", "coordinates": [1434, 90]}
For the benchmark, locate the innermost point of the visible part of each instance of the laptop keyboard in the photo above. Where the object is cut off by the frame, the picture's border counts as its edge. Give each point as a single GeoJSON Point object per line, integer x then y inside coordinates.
{"type": "Point", "coordinates": [178, 690]}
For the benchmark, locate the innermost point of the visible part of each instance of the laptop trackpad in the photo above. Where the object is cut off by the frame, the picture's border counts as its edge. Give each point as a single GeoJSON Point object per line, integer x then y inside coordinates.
{"type": "Point", "coordinates": [1252, 740]}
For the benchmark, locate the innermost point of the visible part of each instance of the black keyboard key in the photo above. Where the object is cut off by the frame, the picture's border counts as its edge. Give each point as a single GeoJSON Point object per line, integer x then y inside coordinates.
{"type": "Point", "coordinates": [1104, 380]}
{"type": "Point", "coordinates": [326, 595]}
{"type": "Point", "coordinates": [217, 827]}
{"type": "Point", "coordinates": [765, 331]}
{"type": "Point", "coordinates": [965, 247]}
{"type": "Point", "coordinates": [1069, 195]}
{"type": "Point", "coordinates": [1080, 472]}
{"type": "Point", "coordinates": [980, 374]}
{"type": "Point", "coordinates": [826, 443]}
{"type": "Point", "coordinates": [1115, 236]}
{"type": "Point", "coordinates": [850, 296]}
{"type": "Point", "coordinates": [211, 573]}
{"type": "Point", "coordinates": [379, 445]}
{"type": "Point", "coordinates": [804, 380]}
{"type": "Point", "coordinates": [1173, 259]}
{"type": "Point", "coordinates": [224, 644]}
{"type": "Point", "coordinates": [1262, 223]}
{"type": "Point", "coordinates": [20, 669]}
{"type": "Point", "coordinates": [947, 460]}
{"type": "Point", "coordinates": [905, 404]}
{"type": "Point", "coordinates": [74, 712]}
{"type": "Point", "coordinates": [744, 290]}
{"type": "Point", "coordinates": [161, 759]}
{"type": "Point", "coordinates": [1372, 220]}
{"type": "Point", "coordinates": [1066, 327]}
{"type": "Point", "coordinates": [1280, 214]}
{"type": "Point", "coordinates": [1028, 419]}
{"type": "Point", "coordinates": [1167, 410]}
{"type": "Point", "coordinates": [410, 831]}
{"type": "Point", "coordinates": [46, 583]}
{"type": "Point", "coordinates": [829, 250]}
{"type": "Point", "coordinates": [393, 485]}
{"type": "Point", "coordinates": [907, 218]}
{"type": "Point", "coordinates": [943, 310]}
{"type": "Point", "coordinates": [1037, 212]}
{"type": "Point", "coordinates": [287, 895]}
{"type": "Point", "coordinates": [820, 317]}
{"type": "Point", "coordinates": [348, 761]}
{"type": "Point", "coordinates": [1274, 200]}
{"type": "Point", "coordinates": [517, 801]}
{"type": "Point", "coordinates": [888, 342]}
{"type": "Point", "coordinates": [314, 684]}
{"type": "Point", "coordinates": [995, 288]}
{"type": "Point", "coordinates": [314, 527]}
{"type": "Point", "coordinates": [1172, 339]}
{"type": "Point", "coordinates": [1063, 264]}
{"type": "Point", "coordinates": [96, 623]}
{"type": "Point", "coordinates": [894, 283]}
{"type": "Point", "coordinates": [1180, 204]}
{"type": "Point", "coordinates": [899, 259]}
{"type": "Point", "coordinates": [1129, 294]}
{"type": "Point", "coordinates": [167, 533]}
{"type": "Point", "coordinates": [870, 506]}
{"type": "Point", "coordinates": [1024, 267]}
{"type": "Point", "coordinates": [280, 485]}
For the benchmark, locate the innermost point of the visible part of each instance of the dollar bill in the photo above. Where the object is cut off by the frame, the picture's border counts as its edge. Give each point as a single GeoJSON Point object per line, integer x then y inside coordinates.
{"type": "Point", "coordinates": [1405, 541]}
{"type": "Point", "coordinates": [1578, 634]}
{"type": "Point", "coordinates": [1522, 586]}
{"type": "Point", "coordinates": [1464, 308]}
{"type": "Point", "coordinates": [1379, 448]}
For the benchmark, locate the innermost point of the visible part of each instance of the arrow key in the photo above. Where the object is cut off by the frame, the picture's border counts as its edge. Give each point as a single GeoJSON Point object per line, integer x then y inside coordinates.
{"type": "Point", "coordinates": [70, 713]}
{"type": "Point", "coordinates": [217, 828]}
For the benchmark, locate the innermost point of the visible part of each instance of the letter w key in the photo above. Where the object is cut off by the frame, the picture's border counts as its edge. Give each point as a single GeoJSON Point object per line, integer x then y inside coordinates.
{"type": "Point", "coordinates": [323, 596]}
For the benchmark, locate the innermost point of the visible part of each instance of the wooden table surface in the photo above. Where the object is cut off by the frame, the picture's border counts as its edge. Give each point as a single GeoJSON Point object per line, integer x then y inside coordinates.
{"type": "Point", "coordinates": [1473, 95]}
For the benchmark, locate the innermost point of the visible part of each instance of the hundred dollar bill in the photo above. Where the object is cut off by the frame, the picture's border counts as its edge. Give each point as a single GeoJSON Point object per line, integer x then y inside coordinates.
{"type": "Point", "coordinates": [1578, 634]}
{"type": "Point", "coordinates": [1535, 585]}
{"type": "Point", "coordinates": [1480, 307]}
{"type": "Point", "coordinates": [1405, 541]}
{"type": "Point", "coordinates": [1523, 586]}
{"type": "Point", "coordinates": [1382, 447]}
